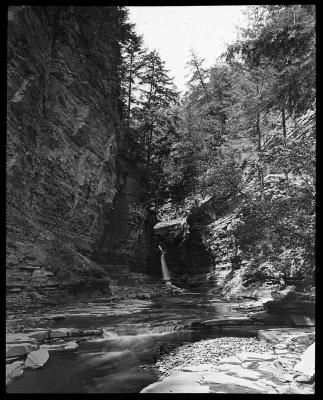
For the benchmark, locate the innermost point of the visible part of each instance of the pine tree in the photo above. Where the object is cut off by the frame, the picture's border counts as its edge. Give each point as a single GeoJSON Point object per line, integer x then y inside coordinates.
{"type": "Point", "coordinates": [133, 63]}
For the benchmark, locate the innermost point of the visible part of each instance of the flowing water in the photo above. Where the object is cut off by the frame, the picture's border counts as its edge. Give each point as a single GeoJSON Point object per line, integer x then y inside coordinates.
{"type": "Point", "coordinates": [134, 333]}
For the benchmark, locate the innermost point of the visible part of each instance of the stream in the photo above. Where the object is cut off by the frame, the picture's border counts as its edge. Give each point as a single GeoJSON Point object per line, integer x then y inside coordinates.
{"type": "Point", "coordinates": [135, 331]}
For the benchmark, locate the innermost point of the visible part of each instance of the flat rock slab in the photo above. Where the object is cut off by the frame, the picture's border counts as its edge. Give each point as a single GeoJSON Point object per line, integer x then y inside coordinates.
{"type": "Point", "coordinates": [279, 335]}
{"type": "Point", "coordinates": [36, 359]}
{"type": "Point", "coordinates": [198, 368]}
{"type": "Point", "coordinates": [253, 356]}
{"type": "Point", "coordinates": [179, 222]}
{"type": "Point", "coordinates": [233, 360]}
{"type": "Point", "coordinates": [228, 321]}
{"type": "Point", "coordinates": [236, 384]}
{"type": "Point", "coordinates": [179, 382]}
{"type": "Point", "coordinates": [248, 372]}
{"type": "Point", "coordinates": [272, 319]}
{"type": "Point", "coordinates": [39, 335]}
{"type": "Point", "coordinates": [57, 317]}
{"type": "Point", "coordinates": [19, 338]}
{"type": "Point", "coordinates": [239, 371]}
{"type": "Point", "coordinates": [291, 307]}
{"type": "Point", "coordinates": [60, 333]}
{"type": "Point", "coordinates": [13, 371]}
{"type": "Point", "coordinates": [57, 348]}
{"type": "Point", "coordinates": [14, 350]}
{"type": "Point", "coordinates": [68, 332]}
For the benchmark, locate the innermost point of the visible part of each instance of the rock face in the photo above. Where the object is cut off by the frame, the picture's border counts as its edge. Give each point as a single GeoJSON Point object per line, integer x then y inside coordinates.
{"type": "Point", "coordinates": [185, 253]}
{"type": "Point", "coordinates": [291, 304]}
{"type": "Point", "coordinates": [68, 172]}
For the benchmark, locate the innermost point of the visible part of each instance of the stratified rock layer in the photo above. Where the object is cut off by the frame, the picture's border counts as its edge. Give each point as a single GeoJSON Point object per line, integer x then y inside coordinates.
{"type": "Point", "coordinates": [65, 170]}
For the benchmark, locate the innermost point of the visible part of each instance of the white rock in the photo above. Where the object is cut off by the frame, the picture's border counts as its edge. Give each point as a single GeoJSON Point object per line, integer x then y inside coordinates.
{"type": "Point", "coordinates": [13, 371]}
{"type": "Point", "coordinates": [280, 351]}
{"type": "Point", "coordinates": [71, 346]}
{"type": "Point", "coordinates": [307, 364]}
{"type": "Point", "coordinates": [37, 359]}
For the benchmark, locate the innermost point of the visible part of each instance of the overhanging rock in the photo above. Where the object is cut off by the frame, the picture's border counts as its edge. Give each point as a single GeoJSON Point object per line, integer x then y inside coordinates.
{"type": "Point", "coordinates": [172, 230]}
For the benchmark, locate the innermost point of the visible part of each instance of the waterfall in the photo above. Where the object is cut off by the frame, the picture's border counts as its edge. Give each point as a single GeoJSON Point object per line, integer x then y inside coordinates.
{"type": "Point", "coordinates": [165, 271]}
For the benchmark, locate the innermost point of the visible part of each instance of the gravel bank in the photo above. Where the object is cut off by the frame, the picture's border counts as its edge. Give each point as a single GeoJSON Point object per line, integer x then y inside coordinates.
{"type": "Point", "coordinates": [208, 351]}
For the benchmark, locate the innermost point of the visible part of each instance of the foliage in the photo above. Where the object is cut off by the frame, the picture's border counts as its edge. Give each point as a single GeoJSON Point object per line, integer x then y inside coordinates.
{"type": "Point", "coordinates": [243, 134]}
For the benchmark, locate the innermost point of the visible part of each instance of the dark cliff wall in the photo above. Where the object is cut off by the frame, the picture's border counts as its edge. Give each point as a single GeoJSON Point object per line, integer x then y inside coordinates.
{"type": "Point", "coordinates": [127, 237]}
{"type": "Point", "coordinates": [63, 138]}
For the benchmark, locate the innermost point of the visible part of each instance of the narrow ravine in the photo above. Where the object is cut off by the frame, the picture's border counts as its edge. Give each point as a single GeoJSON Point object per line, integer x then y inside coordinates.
{"type": "Point", "coordinates": [161, 199]}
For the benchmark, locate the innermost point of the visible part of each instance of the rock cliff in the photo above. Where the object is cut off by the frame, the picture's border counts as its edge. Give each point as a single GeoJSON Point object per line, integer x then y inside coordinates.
{"type": "Point", "coordinates": [74, 201]}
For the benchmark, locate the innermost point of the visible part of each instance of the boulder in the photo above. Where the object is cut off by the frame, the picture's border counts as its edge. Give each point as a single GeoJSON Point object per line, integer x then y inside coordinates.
{"type": "Point", "coordinates": [307, 364]}
{"type": "Point", "coordinates": [171, 230]}
{"type": "Point", "coordinates": [13, 371]}
{"type": "Point", "coordinates": [36, 359]}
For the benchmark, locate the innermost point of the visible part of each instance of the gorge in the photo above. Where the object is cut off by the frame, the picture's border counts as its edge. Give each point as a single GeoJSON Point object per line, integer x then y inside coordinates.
{"type": "Point", "coordinates": [117, 185]}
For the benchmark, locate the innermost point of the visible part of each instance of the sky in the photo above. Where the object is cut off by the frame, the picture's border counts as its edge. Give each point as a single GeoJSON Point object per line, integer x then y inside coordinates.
{"type": "Point", "coordinates": [174, 30]}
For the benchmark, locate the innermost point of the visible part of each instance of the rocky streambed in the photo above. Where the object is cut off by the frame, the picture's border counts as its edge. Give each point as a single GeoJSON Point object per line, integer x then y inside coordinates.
{"type": "Point", "coordinates": [137, 345]}
{"type": "Point", "coordinates": [238, 365]}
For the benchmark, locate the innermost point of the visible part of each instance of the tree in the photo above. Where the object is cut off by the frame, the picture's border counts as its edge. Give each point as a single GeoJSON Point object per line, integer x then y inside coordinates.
{"type": "Point", "coordinates": [157, 92]}
{"type": "Point", "coordinates": [133, 62]}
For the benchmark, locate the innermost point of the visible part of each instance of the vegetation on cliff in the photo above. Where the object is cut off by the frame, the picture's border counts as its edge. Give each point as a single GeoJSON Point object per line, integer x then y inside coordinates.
{"type": "Point", "coordinates": [243, 135]}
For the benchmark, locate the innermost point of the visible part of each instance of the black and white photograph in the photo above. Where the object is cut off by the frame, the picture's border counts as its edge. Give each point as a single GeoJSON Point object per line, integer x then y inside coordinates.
{"type": "Point", "coordinates": [161, 199]}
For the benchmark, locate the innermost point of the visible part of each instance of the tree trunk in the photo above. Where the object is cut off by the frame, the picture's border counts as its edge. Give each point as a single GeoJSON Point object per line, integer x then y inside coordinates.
{"type": "Point", "coordinates": [284, 124]}
{"type": "Point", "coordinates": [150, 139]}
{"type": "Point", "coordinates": [260, 171]}
{"type": "Point", "coordinates": [200, 76]}
{"type": "Point", "coordinates": [285, 140]}
{"type": "Point", "coordinates": [129, 89]}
